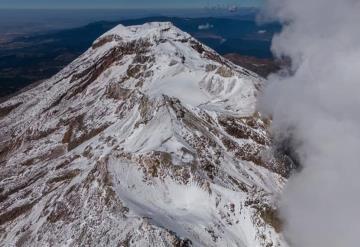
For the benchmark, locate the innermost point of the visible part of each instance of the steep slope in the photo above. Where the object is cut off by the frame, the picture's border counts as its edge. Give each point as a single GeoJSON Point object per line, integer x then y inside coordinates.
{"type": "Point", "coordinates": [147, 139]}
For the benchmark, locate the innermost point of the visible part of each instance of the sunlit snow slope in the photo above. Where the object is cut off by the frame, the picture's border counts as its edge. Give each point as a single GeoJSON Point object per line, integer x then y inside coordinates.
{"type": "Point", "coordinates": [148, 139]}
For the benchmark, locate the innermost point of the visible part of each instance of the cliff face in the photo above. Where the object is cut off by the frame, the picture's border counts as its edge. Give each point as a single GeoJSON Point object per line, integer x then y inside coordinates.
{"type": "Point", "coordinates": [147, 139]}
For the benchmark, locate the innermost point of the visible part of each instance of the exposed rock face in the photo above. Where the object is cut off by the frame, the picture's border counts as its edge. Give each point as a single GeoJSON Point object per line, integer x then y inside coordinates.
{"type": "Point", "coordinates": [263, 67]}
{"type": "Point", "coordinates": [147, 139]}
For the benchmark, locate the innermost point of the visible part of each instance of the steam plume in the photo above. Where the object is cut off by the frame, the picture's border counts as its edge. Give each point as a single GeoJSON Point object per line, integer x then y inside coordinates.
{"type": "Point", "coordinates": [317, 106]}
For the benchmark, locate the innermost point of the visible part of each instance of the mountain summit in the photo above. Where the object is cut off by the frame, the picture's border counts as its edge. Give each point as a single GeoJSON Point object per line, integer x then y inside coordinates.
{"type": "Point", "coordinates": [148, 139]}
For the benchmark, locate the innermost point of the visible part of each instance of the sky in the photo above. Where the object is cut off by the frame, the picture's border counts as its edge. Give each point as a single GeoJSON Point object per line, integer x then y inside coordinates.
{"type": "Point", "coordinates": [49, 4]}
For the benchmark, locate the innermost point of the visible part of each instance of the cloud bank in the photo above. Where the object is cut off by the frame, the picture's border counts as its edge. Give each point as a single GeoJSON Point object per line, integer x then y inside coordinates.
{"type": "Point", "coordinates": [316, 105]}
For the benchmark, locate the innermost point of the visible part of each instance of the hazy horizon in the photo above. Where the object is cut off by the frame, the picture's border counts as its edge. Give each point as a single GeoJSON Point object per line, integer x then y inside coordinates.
{"type": "Point", "coordinates": [125, 4]}
{"type": "Point", "coordinates": [126, 8]}
{"type": "Point", "coordinates": [15, 21]}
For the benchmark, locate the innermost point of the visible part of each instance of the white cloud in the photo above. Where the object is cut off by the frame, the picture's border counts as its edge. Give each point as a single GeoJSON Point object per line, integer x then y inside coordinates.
{"type": "Point", "coordinates": [317, 105]}
{"type": "Point", "coordinates": [206, 26]}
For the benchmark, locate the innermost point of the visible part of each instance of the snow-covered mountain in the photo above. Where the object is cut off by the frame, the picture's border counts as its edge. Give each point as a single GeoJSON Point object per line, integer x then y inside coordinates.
{"type": "Point", "coordinates": [147, 139]}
